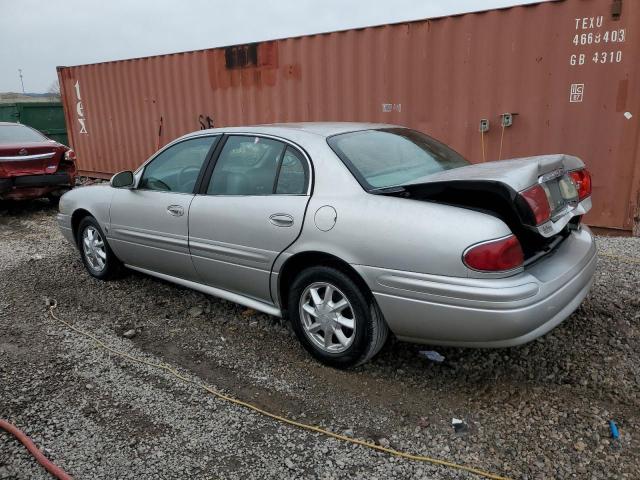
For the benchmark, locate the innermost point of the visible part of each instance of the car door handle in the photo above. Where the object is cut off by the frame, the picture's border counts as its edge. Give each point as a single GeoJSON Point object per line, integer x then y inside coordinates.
{"type": "Point", "coordinates": [281, 220]}
{"type": "Point", "coordinates": [175, 210]}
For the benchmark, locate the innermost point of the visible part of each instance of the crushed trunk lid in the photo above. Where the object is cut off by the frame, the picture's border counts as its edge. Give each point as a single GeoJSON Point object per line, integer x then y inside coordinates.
{"type": "Point", "coordinates": [518, 173]}
{"type": "Point", "coordinates": [507, 179]}
{"type": "Point", "coordinates": [496, 188]}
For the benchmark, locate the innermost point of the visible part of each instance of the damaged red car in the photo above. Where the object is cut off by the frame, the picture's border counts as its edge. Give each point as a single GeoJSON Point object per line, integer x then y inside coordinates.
{"type": "Point", "coordinates": [32, 165]}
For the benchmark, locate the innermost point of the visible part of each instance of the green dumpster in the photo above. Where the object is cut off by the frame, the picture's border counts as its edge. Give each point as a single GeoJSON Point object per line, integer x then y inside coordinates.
{"type": "Point", "coordinates": [48, 117]}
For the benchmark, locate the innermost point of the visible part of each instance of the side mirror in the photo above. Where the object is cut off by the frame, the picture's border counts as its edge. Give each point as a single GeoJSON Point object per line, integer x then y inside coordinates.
{"type": "Point", "coordinates": [123, 180]}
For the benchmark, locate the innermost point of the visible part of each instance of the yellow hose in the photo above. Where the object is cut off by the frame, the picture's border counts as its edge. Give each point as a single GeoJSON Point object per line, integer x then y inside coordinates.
{"type": "Point", "coordinates": [419, 458]}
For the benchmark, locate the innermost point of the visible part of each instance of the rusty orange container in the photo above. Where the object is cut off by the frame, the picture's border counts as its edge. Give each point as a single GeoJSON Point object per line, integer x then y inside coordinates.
{"type": "Point", "coordinates": [567, 72]}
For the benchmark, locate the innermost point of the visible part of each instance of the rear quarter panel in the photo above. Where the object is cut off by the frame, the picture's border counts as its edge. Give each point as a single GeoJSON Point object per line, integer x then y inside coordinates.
{"type": "Point", "coordinates": [398, 233]}
{"type": "Point", "coordinates": [387, 232]}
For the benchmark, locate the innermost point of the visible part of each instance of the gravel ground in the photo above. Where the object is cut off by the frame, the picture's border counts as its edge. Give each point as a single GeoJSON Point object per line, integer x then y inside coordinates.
{"type": "Point", "coordinates": [533, 412]}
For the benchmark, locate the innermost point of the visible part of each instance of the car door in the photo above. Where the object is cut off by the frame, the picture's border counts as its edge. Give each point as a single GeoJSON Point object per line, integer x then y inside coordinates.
{"type": "Point", "coordinates": [250, 210]}
{"type": "Point", "coordinates": [149, 224]}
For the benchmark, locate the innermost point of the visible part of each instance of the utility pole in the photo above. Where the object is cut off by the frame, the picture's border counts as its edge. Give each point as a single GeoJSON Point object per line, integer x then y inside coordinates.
{"type": "Point", "coordinates": [21, 82]}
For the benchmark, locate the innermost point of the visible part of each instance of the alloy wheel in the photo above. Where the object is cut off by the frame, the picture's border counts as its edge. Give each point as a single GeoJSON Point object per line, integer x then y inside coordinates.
{"type": "Point", "coordinates": [94, 249]}
{"type": "Point", "coordinates": [327, 317]}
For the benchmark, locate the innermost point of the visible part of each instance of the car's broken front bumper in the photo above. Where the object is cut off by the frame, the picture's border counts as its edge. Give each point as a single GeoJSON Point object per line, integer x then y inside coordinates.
{"type": "Point", "coordinates": [486, 312]}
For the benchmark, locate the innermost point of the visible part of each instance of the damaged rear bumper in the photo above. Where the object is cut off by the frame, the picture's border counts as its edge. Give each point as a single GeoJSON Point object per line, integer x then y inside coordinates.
{"type": "Point", "coordinates": [491, 313]}
{"type": "Point", "coordinates": [34, 186]}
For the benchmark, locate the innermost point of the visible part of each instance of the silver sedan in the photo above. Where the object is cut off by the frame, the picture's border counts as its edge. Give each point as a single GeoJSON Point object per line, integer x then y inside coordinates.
{"type": "Point", "coordinates": [351, 231]}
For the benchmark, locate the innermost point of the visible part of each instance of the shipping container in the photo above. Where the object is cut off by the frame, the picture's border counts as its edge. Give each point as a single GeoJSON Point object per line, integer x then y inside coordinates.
{"type": "Point", "coordinates": [561, 76]}
{"type": "Point", "coordinates": [47, 117]}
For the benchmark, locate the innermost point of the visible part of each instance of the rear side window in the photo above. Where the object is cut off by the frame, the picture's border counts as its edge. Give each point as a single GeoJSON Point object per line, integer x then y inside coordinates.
{"type": "Point", "coordinates": [293, 175]}
{"type": "Point", "coordinates": [253, 165]}
{"type": "Point", "coordinates": [246, 166]}
{"type": "Point", "coordinates": [176, 169]}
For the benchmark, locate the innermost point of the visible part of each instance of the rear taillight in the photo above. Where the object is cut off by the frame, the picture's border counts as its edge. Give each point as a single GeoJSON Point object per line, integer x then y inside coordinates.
{"type": "Point", "coordinates": [495, 255]}
{"type": "Point", "coordinates": [582, 181]}
{"type": "Point", "coordinates": [70, 155]}
{"type": "Point", "coordinates": [538, 201]}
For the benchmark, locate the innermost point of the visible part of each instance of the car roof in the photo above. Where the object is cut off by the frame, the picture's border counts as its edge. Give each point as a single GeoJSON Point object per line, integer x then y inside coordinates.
{"type": "Point", "coordinates": [326, 129]}
{"type": "Point", "coordinates": [323, 129]}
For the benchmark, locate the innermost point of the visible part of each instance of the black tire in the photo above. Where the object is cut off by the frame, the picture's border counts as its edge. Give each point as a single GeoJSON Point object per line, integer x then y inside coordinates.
{"type": "Point", "coordinates": [370, 331]}
{"type": "Point", "coordinates": [54, 199]}
{"type": "Point", "coordinates": [112, 266]}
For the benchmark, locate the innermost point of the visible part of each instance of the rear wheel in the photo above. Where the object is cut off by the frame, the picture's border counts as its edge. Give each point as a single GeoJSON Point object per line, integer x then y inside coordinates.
{"type": "Point", "coordinates": [96, 254]}
{"type": "Point", "coordinates": [334, 319]}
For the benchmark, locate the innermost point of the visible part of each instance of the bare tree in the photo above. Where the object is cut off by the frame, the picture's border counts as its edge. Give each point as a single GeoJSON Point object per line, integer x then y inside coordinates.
{"type": "Point", "coordinates": [54, 89]}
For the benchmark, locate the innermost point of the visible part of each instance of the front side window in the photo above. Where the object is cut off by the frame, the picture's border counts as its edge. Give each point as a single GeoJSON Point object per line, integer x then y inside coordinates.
{"type": "Point", "coordinates": [247, 165]}
{"type": "Point", "coordinates": [393, 156]}
{"type": "Point", "coordinates": [176, 169]}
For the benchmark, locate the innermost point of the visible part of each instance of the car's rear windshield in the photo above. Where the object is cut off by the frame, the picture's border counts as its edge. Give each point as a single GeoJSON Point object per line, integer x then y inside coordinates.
{"type": "Point", "coordinates": [19, 134]}
{"type": "Point", "coordinates": [391, 157]}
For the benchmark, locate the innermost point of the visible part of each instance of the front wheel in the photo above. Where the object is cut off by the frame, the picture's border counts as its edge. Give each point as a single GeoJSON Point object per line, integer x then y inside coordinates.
{"type": "Point", "coordinates": [96, 254]}
{"type": "Point", "coordinates": [336, 321]}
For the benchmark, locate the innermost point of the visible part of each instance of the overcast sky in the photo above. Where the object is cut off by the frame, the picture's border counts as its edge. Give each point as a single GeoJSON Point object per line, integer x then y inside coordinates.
{"type": "Point", "coordinates": [38, 35]}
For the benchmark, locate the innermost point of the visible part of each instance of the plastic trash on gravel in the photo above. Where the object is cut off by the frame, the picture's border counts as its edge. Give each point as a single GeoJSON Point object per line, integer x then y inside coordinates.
{"type": "Point", "coordinates": [458, 425]}
{"type": "Point", "coordinates": [431, 355]}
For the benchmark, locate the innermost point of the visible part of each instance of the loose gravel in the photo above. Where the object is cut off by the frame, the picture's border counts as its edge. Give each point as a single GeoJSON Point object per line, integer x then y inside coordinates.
{"type": "Point", "coordinates": [538, 411]}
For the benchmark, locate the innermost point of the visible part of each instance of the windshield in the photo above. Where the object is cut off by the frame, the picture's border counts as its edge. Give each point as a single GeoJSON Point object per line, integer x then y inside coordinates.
{"type": "Point", "coordinates": [393, 156]}
{"type": "Point", "coordinates": [19, 134]}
